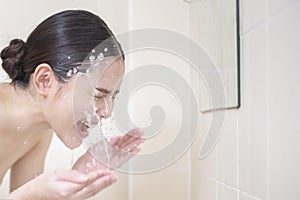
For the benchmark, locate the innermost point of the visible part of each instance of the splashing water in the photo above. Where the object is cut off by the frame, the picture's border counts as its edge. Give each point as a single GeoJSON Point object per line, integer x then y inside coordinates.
{"type": "Point", "coordinates": [98, 137]}
{"type": "Point", "coordinates": [106, 110]}
{"type": "Point", "coordinates": [92, 57]}
{"type": "Point", "coordinates": [100, 56]}
{"type": "Point", "coordinates": [97, 131]}
{"type": "Point", "coordinates": [91, 164]}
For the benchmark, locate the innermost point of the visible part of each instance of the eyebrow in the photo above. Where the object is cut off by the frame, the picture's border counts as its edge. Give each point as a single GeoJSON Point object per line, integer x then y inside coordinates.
{"type": "Point", "coordinates": [106, 91]}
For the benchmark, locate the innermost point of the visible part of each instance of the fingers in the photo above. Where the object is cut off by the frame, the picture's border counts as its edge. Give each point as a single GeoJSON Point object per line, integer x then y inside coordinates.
{"type": "Point", "coordinates": [130, 138]}
{"type": "Point", "coordinates": [96, 186]}
{"type": "Point", "coordinates": [71, 176]}
{"type": "Point", "coordinates": [92, 176]}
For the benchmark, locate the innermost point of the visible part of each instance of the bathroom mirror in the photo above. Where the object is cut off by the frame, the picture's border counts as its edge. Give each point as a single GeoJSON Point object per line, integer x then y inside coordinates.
{"type": "Point", "coordinates": [215, 26]}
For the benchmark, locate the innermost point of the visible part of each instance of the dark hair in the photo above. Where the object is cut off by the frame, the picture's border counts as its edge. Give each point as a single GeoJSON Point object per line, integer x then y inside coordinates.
{"type": "Point", "coordinates": [61, 41]}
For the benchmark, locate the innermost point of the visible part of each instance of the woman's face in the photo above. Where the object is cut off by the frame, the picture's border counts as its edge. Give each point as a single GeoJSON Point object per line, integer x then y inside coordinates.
{"type": "Point", "coordinates": [77, 103]}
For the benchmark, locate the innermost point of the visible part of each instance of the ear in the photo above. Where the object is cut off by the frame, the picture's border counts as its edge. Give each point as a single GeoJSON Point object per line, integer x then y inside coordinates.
{"type": "Point", "coordinates": [43, 79]}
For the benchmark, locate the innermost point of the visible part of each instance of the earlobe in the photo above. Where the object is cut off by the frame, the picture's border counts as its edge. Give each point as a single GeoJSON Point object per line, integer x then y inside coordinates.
{"type": "Point", "coordinates": [42, 78]}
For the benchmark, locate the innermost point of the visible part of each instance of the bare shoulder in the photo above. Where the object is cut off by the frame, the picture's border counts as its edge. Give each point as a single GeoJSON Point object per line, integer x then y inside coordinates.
{"type": "Point", "coordinates": [3, 105]}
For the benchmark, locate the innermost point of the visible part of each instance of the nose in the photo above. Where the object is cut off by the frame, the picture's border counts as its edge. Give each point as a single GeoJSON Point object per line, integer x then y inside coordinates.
{"type": "Point", "coordinates": [104, 110]}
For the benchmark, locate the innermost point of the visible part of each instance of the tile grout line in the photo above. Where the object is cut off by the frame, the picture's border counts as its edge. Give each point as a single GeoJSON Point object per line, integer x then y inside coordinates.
{"type": "Point", "coordinates": [130, 25]}
{"type": "Point", "coordinates": [267, 109]}
{"type": "Point", "coordinates": [231, 187]}
{"type": "Point", "coordinates": [189, 164]}
{"type": "Point", "coordinates": [268, 18]}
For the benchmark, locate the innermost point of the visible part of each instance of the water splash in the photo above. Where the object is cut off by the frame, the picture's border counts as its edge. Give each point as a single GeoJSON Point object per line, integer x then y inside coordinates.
{"type": "Point", "coordinates": [92, 57]}
{"type": "Point", "coordinates": [98, 129]}
{"type": "Point", "coordinates": [106, 109]}
{"type": "Point", "coordinates": [91, 164]}
{"type": "Point", "coordinates": [100, 56]}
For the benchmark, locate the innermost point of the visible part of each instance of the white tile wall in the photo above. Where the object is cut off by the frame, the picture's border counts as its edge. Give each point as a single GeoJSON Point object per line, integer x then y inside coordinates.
{"type": "Point", "coordinates": [253, 12]}
{"type": "Point", "coordinates": [261, 161]}
{"type": "Point", "coordinates": [252, 143]}
{"type": "Point", "coordinates": [208, 189]}
{"type": "Point", "coordinates": [284, 98]}
{"type": "Point", "coordinates": [226, 192]}
{"type": "Point", "coordinates": [227, 151]}
{"type": "Point", "coordinates": [245, 196]}
{"type": "Point", "coordinates": [275, 6]}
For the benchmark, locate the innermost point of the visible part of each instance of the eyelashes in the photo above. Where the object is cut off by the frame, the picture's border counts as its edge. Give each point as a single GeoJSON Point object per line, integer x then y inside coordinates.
{"type": "Point", "coordinates": [113, 97]}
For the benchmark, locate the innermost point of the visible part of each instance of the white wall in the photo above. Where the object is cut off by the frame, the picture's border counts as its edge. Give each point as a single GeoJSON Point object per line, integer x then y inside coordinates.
{"type": "Point", "coordinates": [258, 155]}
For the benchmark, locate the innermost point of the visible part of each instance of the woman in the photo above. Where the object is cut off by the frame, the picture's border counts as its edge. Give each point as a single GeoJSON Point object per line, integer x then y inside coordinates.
{"type": "Point", "coordinates": [38, 101]}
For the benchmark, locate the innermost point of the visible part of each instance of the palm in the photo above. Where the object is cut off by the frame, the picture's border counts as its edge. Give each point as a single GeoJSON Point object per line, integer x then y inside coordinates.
{"type": "Point", "coordinates": [111, 153]}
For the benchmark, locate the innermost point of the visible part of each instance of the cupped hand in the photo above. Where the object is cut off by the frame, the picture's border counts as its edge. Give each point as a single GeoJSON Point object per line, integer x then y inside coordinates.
{"type": "Point", "coordinates": [65, 185]}
{"type": "Point", "coordinates": [111, 153]}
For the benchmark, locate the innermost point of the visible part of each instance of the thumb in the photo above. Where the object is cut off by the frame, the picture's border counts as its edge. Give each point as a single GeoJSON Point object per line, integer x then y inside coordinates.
{"type": "Point", "coordinates": [71, 176]}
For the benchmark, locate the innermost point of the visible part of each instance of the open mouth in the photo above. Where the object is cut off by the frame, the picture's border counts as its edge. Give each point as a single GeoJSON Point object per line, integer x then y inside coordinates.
{"type": "Point", "coordinates": [84, 125]}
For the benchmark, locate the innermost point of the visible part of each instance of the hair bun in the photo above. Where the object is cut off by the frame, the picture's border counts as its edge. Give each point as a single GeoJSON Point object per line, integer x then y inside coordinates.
{"type": "Point", "coordinates": [11, 58]}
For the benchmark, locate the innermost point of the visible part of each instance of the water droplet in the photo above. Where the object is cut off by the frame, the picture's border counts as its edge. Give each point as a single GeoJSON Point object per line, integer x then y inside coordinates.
{"type": "Point", "coordinates": [88, 164]}
{"type": "Point", "coordinates": [18, 127]}
{"type": "Point", "coordinates": [69, 73]}
{"type": "Point", "coordinates": [106, 110]}
{"type": "Point", "coordinates": [115, 46]}
{"type": "Point", "coordinates": [69, 57]}
{"type": "Point", "coordinates": [75, 70]}
{"type": "Point", "coordinates": [101, 56]}
{"type": "Point", "coordinates": [93, 51]}
{"type": "Point", "coordinates": [105, 49]}
{"type": "Point", "coordinates": [92, 58]}
{"type": "Point", "coordinates": [25, 142]}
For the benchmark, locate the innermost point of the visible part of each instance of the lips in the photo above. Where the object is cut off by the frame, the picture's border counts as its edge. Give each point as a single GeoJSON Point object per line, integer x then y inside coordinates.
{"type": "Point", "coordinates": [82, 129]}
{"type": "Point", "coordinates": [83, 125]}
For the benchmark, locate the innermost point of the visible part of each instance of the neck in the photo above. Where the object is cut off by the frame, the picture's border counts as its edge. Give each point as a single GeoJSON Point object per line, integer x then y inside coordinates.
{"type": "Point", "coordinates": [26, 110]}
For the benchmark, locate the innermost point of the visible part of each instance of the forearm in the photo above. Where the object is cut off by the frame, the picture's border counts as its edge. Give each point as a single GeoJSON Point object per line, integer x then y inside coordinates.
{"type": "Point", "coordinates": [25, 192]}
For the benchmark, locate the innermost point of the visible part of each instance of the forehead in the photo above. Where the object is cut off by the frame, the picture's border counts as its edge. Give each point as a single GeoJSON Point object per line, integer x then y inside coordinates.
{"type": "Point", "coordinates": [112, 75]}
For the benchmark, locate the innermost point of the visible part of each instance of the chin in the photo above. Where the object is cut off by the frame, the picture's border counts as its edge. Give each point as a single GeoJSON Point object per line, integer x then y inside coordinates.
{"type": "Point", "coordinates": [74, 138]}
{"type": "Point", "coordinates": [71, 140]}
{"type": "Point", "coordinates": [74, 144]}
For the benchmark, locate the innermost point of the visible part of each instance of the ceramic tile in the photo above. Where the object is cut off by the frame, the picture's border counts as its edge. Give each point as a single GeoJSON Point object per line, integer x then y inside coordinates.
{"type": "Point", "coordinates": [283, 87]}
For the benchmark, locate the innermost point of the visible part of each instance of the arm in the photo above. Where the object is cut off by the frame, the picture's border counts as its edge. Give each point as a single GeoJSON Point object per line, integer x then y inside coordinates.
{"type": "Point", "coordinates": [60, 184]}
{"type": "Point", "coordinates": [64, 185]}
{"type": "Point", "coordinates": [31, 164]}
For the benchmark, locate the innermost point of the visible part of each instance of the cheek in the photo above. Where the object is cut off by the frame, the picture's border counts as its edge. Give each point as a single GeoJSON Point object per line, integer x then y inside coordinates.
{"type": "Point", "coordinates": [62, 113]}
